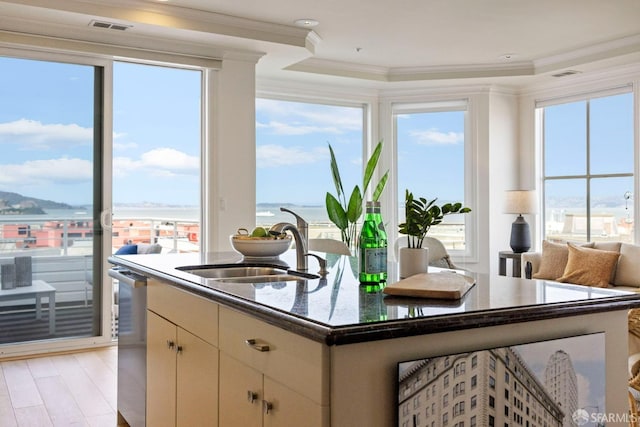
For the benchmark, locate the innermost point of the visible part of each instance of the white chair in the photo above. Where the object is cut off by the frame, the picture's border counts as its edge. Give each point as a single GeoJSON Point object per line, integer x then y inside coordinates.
{"type": "Point", "coordinates": [330, 246]}
{"type": "Point", "coordinates": [438, 255]}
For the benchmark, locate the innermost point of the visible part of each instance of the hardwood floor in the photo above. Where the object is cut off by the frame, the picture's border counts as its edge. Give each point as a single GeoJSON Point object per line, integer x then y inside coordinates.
{"type": "Point", "coordinates": [76, 389]}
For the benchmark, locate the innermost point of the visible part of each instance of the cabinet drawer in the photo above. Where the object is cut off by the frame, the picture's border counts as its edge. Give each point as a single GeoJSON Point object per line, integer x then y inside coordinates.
{"type": "Point", "coordinates": [297, 362]}
{"type": "Point", "coordinates": [193, 313]}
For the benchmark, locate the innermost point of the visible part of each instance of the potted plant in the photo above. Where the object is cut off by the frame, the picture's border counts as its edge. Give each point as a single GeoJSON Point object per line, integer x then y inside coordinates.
{"type": "Point", "coordinates": [420, 215]}
{"type": "Point", "coordinates": [346, 213]}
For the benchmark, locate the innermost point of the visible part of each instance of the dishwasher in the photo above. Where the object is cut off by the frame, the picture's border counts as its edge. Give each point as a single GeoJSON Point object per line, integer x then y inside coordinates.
{"type": "Point", "coordinates": [132, 346]}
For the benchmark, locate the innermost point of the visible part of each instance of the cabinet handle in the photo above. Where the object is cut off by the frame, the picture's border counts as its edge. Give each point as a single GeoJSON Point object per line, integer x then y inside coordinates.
{"type": "Point", "coordinates": [254, 345]}
{"type": "Point", "coordinates": [252, 396]}
{"type": "Point", "coordinates": [179, 349]}
{"type": "Point", "coordinates": [267, 406]}
{"type": "Point", "coordinates": [170, 344]}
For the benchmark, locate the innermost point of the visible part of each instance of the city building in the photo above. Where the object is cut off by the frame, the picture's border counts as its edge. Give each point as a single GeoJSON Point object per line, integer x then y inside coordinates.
{"type": "Point", "coordinates": [484, 388]}
{"type": "Point", "coordinates": [562, 384]}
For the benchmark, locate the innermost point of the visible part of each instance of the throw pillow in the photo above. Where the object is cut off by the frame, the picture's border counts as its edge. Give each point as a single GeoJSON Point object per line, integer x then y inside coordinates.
{"type": "Point", "coordinates": [154, 248]}
{"type": "Point", "coordinates": [554, 260]}
{"type": "Point", "coordinates": [628, 270]}
{"type": "Point", "coordinates": [608, 246]}
{"type": "Point", "coordinates": [127, 250]}
{"type": "Point", "coordinates": [591, 267]}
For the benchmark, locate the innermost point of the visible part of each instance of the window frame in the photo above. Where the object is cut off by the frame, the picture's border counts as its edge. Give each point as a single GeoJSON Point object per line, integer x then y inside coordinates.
{"type": "Point", "coordinates": [587, 96]}
{"type": "Point", "coordinates": [104, 156]}
{"type": "Point", "coordinates": [101, 156]}
{"type": "Point", "coordinates": [443, 104]}
{"type": "Point", "coordinates": [365, 104]}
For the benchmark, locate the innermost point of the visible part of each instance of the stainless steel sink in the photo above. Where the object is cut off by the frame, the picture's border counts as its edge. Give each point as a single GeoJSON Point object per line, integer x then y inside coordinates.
{"type": "Point", "coordinates": [214, 272]}
{"type": "Point", "coordinates": [235, 273]}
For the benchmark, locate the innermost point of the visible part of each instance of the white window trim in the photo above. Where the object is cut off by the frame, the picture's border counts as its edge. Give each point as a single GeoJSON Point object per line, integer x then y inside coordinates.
{"type": "Point", "coordinates": [442, 104]}
{"type": "Point", "coordinates": [579, 95]}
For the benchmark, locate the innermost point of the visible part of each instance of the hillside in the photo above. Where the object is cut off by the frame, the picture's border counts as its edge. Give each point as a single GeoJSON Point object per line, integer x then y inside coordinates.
{"type": "Point", "coordinates": [14, 203]}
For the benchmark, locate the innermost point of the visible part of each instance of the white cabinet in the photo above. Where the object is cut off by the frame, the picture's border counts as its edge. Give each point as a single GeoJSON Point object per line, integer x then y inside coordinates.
{"type": "Point", "coordinates": [182, 358]}
{"type": "Point", "coordinates": [270, 377]}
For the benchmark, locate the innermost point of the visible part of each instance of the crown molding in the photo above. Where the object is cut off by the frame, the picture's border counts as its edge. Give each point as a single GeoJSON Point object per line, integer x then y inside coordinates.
{"type": "Point", "coordinates": [400, 74]}
{"type": "Point", "coordinates": [172, 17]}
{"type": "Point", "coordinates": [597, 52]}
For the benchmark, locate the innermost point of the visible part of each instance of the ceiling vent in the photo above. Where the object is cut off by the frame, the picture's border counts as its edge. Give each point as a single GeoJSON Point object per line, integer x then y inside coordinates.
{"type": "Point", "coordinates": [566, 73]}
{"type": "Point", "coordinates": [109, 25]}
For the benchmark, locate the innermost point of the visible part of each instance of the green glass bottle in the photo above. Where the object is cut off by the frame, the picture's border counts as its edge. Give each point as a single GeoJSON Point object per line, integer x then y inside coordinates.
{"type": "Point", "coordinates": [370, 303]}
{"type": "Point", "coordinates": [373, 247]}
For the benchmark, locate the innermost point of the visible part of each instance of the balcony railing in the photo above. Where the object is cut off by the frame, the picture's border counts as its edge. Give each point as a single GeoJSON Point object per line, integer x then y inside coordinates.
{"type": "Point", "coordinates": [71, 236]}
{"type": "Point", "coordinates": [61, 250]}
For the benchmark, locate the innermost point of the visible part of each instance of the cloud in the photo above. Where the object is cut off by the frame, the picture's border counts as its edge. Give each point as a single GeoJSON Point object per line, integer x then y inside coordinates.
{"type": "Point", "coordinates": [272, 155]}
{"type": "Point", "coordinates": [305, 118]}
{"type": "Point", "coordinates": [434, 137]}
{"type": "Point", "coordinates": [36, 135]}
{"type": "Point", "coordinates": [279, 128]}
{"type": "Point", "coordinates": [51, 171]}
{"type": "Point", "coordinates": [123, 146]}
{"type": "Point", "coordinates": [164, 162]}
{"type": "Point", "coordinates": [584, 387]}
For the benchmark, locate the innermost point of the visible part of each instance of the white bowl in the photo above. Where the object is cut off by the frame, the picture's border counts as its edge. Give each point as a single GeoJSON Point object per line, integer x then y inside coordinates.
{"type": "Point", "coordinates": [259, 246]}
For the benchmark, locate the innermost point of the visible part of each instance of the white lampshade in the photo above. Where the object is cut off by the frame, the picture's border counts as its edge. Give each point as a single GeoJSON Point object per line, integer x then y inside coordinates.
{"type": "Point", "coordinates": [521, 202]}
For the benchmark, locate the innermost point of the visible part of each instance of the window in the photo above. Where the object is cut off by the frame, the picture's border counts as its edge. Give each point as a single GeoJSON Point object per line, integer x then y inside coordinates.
{"type": "Point", "coordinates": [431, 138]}
{"type": "Point", "coordinates": [291, 147]}
{"type": "Point", "coordinates": [156, 156]}
{"type": "Point", "coordinates": [492, 382]}
{"type": "Point", "coordinates": [474, 381]}
{"type": "Point", "coordinates": [474, 361]}
{"type": "Point", "coordinates": [474, 401]}
{"type": "Point", "coordinates": [588, 169]}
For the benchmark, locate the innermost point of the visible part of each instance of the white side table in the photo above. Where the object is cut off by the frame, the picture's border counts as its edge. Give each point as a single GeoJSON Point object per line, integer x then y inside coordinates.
{"type": "Point", "coordinates": [37, 290]}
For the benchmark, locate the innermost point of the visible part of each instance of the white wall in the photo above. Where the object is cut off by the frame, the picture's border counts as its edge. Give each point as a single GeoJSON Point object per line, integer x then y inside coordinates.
{"type": "Point", "coordinates": [231, 175]}
{"type": "Point", "coordinates": [503, 162]}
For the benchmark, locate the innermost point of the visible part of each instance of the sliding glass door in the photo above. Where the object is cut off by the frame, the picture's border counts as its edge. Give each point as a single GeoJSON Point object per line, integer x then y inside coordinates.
{"type": "Point", "coordinates": [50, 180]}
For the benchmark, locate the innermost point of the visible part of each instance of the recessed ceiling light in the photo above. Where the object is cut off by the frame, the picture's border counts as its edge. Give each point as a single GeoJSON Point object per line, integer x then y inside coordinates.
{"type": "Point", "coordinates": [507, 56]}
{"type": "Point", "coordinates": [306, 22]}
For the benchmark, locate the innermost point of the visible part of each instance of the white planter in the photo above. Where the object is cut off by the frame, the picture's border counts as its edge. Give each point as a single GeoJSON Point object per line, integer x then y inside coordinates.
{"type": "Point", "coordinates": [412, 261]}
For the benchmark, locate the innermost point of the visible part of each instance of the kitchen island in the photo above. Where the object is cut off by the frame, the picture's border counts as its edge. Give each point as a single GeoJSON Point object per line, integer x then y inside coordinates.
{"type": "Point", "coordinates": [324, 352]}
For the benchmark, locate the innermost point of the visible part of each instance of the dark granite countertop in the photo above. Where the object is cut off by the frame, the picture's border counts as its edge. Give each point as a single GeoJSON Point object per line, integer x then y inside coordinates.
{"type": "Point", "coordinates": [339, 311]}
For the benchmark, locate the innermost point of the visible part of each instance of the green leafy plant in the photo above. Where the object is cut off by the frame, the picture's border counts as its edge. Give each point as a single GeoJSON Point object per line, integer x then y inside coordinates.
{"type": "Point", "coordinates": [421, 214]}
{"type": "Point", "coordinates": [343, 212]}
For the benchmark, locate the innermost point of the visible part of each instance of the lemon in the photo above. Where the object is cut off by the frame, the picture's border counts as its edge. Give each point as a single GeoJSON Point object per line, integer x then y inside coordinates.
{"type": "Point", "coordinates": [259, 232]}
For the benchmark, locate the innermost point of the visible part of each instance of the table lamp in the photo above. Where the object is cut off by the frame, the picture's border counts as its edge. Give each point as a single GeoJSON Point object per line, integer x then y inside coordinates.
{"type": "Point", "coordinates": [520, 202]}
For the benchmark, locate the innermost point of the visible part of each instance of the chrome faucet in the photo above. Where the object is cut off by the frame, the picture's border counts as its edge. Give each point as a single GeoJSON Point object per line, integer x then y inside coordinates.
{"type": "Point", "coordinates": [300, 234]}
{"type": "Point", "coordinates": [303, 226]}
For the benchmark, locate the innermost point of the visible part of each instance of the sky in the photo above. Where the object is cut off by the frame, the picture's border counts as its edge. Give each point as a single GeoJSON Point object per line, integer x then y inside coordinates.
{"type": "Point", "coordinates": [587, 356]}
{"type": "Point", "coordinates": [46, 140]}
{"type": "Point", "coordinates": [46, 136]}
{"type": "Point", "coordinates": [292, 147]}
{"type": "Point", "coordinates": [46, 132]}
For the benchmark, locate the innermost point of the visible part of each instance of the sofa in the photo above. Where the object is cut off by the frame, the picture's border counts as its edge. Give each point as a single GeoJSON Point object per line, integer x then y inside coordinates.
{"type": "Point", "coordinates": [602, 264]}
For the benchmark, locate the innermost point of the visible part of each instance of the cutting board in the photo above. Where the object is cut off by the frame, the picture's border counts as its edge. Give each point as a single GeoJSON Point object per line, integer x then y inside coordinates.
{"type": "Point", "coordinates": [442, 285]}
